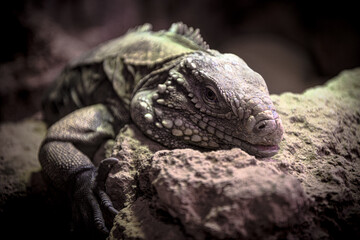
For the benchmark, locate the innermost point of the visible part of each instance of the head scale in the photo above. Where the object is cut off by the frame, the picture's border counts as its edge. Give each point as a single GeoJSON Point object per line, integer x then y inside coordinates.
{"type": "Point", "coordinates": [210, 100]}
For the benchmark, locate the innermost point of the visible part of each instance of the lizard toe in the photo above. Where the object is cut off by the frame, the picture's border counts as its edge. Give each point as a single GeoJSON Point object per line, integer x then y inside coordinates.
{"type": "Point", "coordinates": [88, 199]}
{"type": "Point", "coordinates": [106, 202]}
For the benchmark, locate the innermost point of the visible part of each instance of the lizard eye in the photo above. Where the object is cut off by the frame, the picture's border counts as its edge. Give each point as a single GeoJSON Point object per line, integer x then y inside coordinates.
{"type": "Point", "coordinates": [209, 95]}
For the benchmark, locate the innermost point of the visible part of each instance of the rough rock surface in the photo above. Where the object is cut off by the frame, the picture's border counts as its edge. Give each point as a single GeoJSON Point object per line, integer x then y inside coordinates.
{"type": "Point", "coordinates": [27, 211]}
{"type": "Point", "coordinates": [309, 190]}
{"type": "Point", "coordinates": [19, 143]}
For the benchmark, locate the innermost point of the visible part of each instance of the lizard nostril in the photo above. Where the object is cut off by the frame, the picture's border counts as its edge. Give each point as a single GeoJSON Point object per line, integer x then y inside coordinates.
{"type": "Point", "coordinates": [265, 127]}
{"type": "Point", "coordinates": [262, 126]}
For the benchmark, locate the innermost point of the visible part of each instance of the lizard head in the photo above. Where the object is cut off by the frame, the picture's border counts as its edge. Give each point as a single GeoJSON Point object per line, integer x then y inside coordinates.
{"type": "Point", "coordinates": [213, 101]}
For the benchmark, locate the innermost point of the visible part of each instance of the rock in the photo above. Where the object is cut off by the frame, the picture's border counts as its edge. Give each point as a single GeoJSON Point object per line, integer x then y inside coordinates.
{"type": "Point", "coordinates": [26, 209]}
{"type": "Point", "coordinates": [140, 220]}
{"type": "Point", "coordinates": [321, 148]}
{"type": "Point", "coordinates": [309, 190]}
{"type": "Point", "coordinates": [19, 144]}
{"type": "Point", "coordinates": [221, 194]}
{"type": "Point", "coordinates": [29, 208]}
{"type": "Point", "coordinates": [134, 152]}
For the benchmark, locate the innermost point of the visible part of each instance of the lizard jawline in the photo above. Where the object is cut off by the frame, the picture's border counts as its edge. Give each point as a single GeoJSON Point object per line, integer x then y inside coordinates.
{"type": "Point", "coordinates": [256, 149]}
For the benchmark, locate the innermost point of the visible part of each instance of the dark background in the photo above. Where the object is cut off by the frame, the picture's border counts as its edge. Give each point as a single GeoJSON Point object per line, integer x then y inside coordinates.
{"type": "Point", "coordinates": [293, 44]}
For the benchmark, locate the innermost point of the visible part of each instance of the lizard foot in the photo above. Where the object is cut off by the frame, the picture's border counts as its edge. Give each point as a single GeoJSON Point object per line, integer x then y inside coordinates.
{"type": "Point", "coordinates": [90, 198]}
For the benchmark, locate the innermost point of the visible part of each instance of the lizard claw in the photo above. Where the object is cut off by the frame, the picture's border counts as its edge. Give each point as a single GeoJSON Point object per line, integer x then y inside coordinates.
{"type": "Point", "coordinates": [103, 172]}
{"type": "Point", "coordinates": [91, 188]}
{"type": "Point", "coordinates": [99, 189]}
{"type": "Point", "coordinates": [104, 169]}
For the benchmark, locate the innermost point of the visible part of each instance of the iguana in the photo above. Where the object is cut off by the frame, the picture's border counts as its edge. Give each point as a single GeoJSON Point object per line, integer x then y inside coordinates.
{"type": "Point", "coordinates": [178, 92]}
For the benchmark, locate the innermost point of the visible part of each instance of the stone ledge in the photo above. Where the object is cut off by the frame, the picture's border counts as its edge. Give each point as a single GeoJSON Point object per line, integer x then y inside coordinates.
{"type": "Point", "coordinates": [309, 190]}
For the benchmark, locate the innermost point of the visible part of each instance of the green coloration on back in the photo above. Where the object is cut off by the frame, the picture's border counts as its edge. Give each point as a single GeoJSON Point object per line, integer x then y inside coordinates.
{"type": "Point", "coordinates": [123, 62]}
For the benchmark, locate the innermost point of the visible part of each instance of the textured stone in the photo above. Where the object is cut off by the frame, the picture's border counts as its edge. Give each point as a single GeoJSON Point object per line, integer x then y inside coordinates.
{"type": "Point", "coordinates": [19, 143]}
{"type": "Point", "coordinates": [134, 152]}
{"type": "Point", "coordinates": [29, 208]}
{"type": "Point", "coordinates": [309, 190]}
{"type": "Point", "coordinates": [221, 194]}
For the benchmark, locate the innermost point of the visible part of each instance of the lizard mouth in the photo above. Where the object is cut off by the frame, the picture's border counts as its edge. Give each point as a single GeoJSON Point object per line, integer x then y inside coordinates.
{"type": "Point", "coordinates": [258, 150]}
{"type": "Point", "coordinates": [267, 150]}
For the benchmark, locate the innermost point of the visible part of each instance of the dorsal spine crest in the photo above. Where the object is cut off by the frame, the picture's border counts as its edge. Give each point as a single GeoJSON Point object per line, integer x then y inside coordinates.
{"type": "Point", "coordinates": [190, 33]}
{"type": "Point", "coordinates": [146, 27]}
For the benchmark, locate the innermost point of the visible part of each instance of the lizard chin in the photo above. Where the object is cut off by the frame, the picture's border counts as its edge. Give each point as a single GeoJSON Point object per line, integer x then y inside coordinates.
{"type": "Point", "coordinates": [258, 150]}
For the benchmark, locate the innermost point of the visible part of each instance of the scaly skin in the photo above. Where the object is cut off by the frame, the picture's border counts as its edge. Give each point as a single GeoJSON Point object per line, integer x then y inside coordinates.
{"type": "Point", "coordinates": [172, 86]}
{"type": "Point", "coordinates": [205, 102]}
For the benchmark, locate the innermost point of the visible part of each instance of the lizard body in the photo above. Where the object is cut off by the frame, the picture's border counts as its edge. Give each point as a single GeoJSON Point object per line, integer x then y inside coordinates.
{"type": "Point", "coordinates": [176, 89]}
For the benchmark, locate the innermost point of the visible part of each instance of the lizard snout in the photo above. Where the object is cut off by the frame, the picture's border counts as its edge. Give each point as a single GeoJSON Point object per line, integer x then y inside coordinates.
{"type": "Point", "coordinates": [265, 127]}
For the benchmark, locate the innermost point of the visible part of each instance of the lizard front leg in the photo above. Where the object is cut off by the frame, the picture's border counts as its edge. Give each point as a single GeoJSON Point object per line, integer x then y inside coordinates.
{"type": "Point", "coordinates": [65, 157]}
